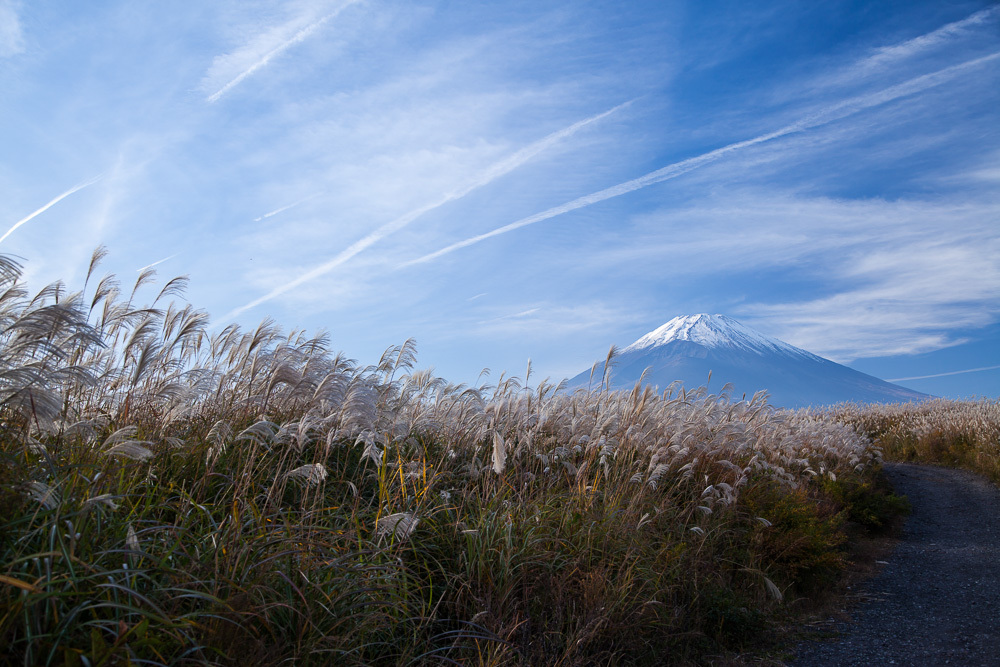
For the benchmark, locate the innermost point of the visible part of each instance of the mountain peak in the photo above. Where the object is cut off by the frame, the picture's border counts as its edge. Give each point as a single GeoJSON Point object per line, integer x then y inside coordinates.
{"type": "Point", "coordinates": [713, 331]}
{"type": "Point", "coordinates": [691, 347]}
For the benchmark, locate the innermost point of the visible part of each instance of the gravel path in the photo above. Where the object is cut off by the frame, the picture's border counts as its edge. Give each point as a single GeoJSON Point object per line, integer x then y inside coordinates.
{"type": "Point", "coordinates": [937, 601]}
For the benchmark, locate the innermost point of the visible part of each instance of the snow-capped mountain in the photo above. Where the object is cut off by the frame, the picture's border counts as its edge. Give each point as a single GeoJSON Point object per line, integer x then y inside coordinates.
{"type": "Point", "coordinates": [688, 348]}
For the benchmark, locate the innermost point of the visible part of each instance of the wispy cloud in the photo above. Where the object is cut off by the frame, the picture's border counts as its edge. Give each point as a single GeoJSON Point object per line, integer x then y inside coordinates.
{"type": "Point", "coordinates": [827, 115]}
{"type": "Point", "coordinates": [32, 216]}
{"type": "Point", "coordinates": [11, 37]}
{"type": "Point", "coordinates": [489, 175]}
{"type": "Point", "coordinates": [554, 321]}
{"type": "Point", "coordinates": [522, 314]}
{"type": "Point", "coordinates": [261, 50]}
{"type": "Point", "coordinates": [780, 228]}
{"type": "Point", "coordinates": [849, 205]}
{"type": "Point", "coordinates": [890, 55]}
{"type": "Point", "coordinates": [902, 298]}
{"type": "Point", "coordinates": [845, 278]}
{"type": "Point", "coordinates": [941, 375]}
{"type": "Point", "coordinates": [859, 278]}
{"type": "Point", "coordinates": [895, 59]}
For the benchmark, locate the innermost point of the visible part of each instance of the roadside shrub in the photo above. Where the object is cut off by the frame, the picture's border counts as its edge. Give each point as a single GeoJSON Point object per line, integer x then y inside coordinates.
{"type": "Point", "coordinates": [869, 501]}
{"type": "Point", "coordinates": [802, 543]}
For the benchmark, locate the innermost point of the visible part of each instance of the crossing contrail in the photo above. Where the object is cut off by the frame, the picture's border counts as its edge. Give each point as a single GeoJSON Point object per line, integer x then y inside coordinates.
{"type": "Point", "coordinates": [828, 115]}
{"type": "Point", "coordinates": [494, 172]}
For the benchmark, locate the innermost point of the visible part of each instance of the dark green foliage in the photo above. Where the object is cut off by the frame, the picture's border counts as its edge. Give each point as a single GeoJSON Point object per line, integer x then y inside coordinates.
{"type": "Point", "coordinates": [869, 501]}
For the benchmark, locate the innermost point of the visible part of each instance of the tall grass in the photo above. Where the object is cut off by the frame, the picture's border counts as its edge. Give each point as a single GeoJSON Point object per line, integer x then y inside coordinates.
{"type": "Point", "coordinates": [171, 496]}
{"type": "Point", "coordinates": [959, 433]}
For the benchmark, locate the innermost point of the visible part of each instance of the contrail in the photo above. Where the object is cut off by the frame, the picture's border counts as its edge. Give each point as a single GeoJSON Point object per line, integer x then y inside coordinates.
{"type": "Point", "coordinates": [285, 208]}
{"type": "Point", "coordinates": [266, 58]}
{"type": "Point", "coordinates": [830, 114]}
{"type": "Point", "coordinates": [941, 375]}
{"type": "Point", "coordinates": [149, 266]}
{"type": "Point", "coordinates": [523, 313]}
{"type": "Point", "coordinates": [52, 203]}
{"type": "Point", "coordinates": [492, 173]}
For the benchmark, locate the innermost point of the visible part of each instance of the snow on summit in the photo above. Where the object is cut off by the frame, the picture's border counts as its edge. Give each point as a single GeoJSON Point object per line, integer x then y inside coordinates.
{"type": "Point", "coordinates": [713, 331]}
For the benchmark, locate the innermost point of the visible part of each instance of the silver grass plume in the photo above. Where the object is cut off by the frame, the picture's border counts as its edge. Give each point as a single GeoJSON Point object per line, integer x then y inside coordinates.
{"type": "Point", "coordinates": [132, 545]}
{"type": "Point", "coordinates": [218, 436]}
{"type": "Point", "coordinates": [121, 443]}
{"type": "Point", "coordinates": [371, 441]}
{"type": "Point", "coordinates": [399, 525]}
{"type": "Point", "coordinates": [131, 449]}
{"type": "Point", "coordinates": [44, 494]}
{"type": "Point", "coordinates": [103, 499]}
{"type": "Point", "coordinates": [499, 453]}
{"type": "Point", "coordinates": [310, 474]}
{"type": "Point", "coordinates": [262, 433]}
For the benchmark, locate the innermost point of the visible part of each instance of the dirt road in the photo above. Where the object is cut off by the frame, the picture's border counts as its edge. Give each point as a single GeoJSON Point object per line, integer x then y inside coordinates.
{"type": "Point", "coordinates": [937, 601]}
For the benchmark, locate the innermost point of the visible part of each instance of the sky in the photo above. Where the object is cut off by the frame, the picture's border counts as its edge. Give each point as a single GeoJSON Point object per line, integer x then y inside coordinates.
{"type": "Point", "coordinates": [505, 181]}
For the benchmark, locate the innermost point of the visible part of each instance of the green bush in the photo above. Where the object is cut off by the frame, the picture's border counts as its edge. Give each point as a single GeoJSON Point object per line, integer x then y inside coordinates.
{"type": "Point", "coordinates": [869, 500]}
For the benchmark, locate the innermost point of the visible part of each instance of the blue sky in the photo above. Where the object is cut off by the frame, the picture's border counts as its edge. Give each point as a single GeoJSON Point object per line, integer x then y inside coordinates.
{"type": "Point", "coordinates": [513, 180]}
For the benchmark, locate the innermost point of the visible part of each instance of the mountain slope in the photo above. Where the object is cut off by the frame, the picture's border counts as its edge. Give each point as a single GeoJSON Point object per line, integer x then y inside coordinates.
{"type": "Point", "coordinates": [688, 348]}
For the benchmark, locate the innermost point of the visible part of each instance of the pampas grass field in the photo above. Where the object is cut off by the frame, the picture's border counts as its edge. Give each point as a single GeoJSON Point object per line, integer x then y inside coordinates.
{"type": "Point", "coordinates": [956, 433]}
{"type": "Point", "coordinates": [174, 496]}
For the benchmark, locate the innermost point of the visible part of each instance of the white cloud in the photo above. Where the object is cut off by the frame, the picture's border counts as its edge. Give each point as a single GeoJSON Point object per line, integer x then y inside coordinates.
{"type": "Point", "coordinates": [898, 289]}
{"type": "Point", "coordinates": [11, 36]}
{"type": "Point", "coordinates": [883, 277]}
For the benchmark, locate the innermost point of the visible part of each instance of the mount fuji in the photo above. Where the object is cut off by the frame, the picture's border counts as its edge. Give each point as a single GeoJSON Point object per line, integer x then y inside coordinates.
{"type": "Point", "coordinates": [687, 348]}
